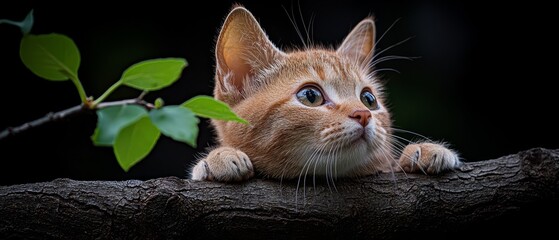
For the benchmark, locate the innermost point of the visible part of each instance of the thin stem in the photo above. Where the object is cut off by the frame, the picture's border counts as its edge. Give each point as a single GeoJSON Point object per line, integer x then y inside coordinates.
{"type": "Point", "coordinates": [106, 93]}
{"type": "Point", "coordinates": [135, 101]}
{"type": "Point", "coordinates": [143, 94]}
{"type": "Point", "coordinates": [17, 24]}
{"type": "Point", "coordinates": [79, 86]}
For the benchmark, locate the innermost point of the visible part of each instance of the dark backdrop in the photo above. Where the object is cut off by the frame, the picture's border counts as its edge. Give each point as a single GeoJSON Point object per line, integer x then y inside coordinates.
{"type": "Point", "coordinates": [482, 82]}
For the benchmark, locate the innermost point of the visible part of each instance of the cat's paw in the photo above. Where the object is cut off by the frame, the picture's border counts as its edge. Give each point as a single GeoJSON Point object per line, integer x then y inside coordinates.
{"type": "Point", "coordinates": [429, 158]}
{"type": "Point", "coordinates": [223, 164]}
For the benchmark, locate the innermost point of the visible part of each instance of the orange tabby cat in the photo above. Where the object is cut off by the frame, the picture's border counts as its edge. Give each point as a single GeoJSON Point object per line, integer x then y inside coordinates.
{"type": "Point", "coordinates": [318, 111]}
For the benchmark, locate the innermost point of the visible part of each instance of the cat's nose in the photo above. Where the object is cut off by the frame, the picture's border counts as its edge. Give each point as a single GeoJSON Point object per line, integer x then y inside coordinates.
{"type": "Point", "coordinates": [361, 116]}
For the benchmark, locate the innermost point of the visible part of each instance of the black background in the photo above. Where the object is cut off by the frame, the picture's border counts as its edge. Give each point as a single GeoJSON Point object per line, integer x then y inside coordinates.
{"type": "Point", "coordinates": [484, 81]}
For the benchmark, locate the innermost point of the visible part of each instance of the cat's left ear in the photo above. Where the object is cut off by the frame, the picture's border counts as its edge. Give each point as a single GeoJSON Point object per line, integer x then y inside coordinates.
{"type": "Point", "coordinates": [360, 42]}
{"type": "Point", "coordinates": [242, 50]}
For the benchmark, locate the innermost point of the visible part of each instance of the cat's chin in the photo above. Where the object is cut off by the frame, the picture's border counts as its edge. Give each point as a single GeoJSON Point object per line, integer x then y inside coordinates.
{"type": "Point", "coordinates": [362, 139]}
{"type": "Point", "coordinates": [358, 148]}
{"type": "Point", "coordinates": [359, 141]}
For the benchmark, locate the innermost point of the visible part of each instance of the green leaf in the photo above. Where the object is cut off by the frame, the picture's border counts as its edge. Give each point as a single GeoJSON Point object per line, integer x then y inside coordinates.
{"type": "Point", "coordinates": [176, 122]}
{"type": "Point", "coordinates": [208, 107]}
{"type": "Point", "coordinates": [27, 23]}
{"type": "Point", "coordinates": [153, 74]}
{"type": "Point", "coordinates": [111, 120]}
{"type": "Point", "coordinates": [52, 56]}
{"type": "Point", "coordinates": [134, 142]}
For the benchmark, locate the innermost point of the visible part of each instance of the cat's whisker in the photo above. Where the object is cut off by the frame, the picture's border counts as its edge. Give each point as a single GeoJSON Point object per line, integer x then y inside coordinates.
{"type": "Point", "coordinates": [305, 169]}
{"type": "Point", "coordinates": [299, 181]}
{"type": "Point", "coordinates": [411, 132]}
{"type": "Point", "coordinates": [305, 28]}
{"type": "Point", "coordinates": [328, 167]}
{"type": "Point", "coordinates": [388, 58]}
{"type": "Point", "coordinates": [388, 147]}
{"type": "Point", "coordinates": [319, 156]}
{"type": "Point", "coordinates": [381, 150]}
{"type": "Point", "coordinates": [388, 156]}
{"type": "Point", "coordinates": [335, 162]}
{"type": "Point", "coordinates": [396, 148]}
{"type": "Point", "coordinates": [327, 156]}
{"type": "Point", "coordinates": [378, 53]}
{"type": "Point", "coordinates": [400, 145]}
{"type": "Point", "coordinates": [414, 162]}
{"type": "Point", "coordinates": [336, 165]}
{"type": "Point", "coordinates": [374, 72]}
{"type": "Point", "coordinates": [400, 138]}
{"type": "Point", "coordinates": [293, 21]}
{"type": "Point", "coordinates": [311, 29]}
{"type": "Point", "coordinates": [385, 32]}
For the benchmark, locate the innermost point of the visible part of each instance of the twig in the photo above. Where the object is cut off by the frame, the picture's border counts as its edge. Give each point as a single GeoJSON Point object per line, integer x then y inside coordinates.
{"type": "Point", "coordinates": [143, 94]}
{"type": "Point", "coordinates": [55, 116]}
{"type": "Point", "coordinates": [136, 101]}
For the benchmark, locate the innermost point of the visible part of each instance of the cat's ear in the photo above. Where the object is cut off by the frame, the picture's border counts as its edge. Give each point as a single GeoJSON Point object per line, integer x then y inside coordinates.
{"type": "Point", "coordinates": [242, 50]}
{"type": "Point", "coordinates": [360, 42]}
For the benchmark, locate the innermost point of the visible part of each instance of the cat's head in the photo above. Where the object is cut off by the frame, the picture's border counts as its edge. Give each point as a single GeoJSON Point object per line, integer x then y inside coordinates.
{"type": "Point", "coordinates": [312, 111]}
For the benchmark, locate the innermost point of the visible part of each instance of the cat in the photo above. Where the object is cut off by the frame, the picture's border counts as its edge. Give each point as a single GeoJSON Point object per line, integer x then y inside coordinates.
{"type": "Point", "coordinates": [316, 110]}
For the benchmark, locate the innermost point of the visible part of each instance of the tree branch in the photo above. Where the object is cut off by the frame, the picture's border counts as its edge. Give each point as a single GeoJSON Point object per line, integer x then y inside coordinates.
{"type": "Point", "coordinates": [50, 117]}
{"type": "Point", "coordinates": [56, 116]}
{"type": "Point", "coordinates": [383, 206]}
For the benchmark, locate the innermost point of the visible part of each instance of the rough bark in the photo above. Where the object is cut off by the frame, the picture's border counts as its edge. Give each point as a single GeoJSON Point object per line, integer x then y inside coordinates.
{"type": "Point", "coordinates": [478, 197]}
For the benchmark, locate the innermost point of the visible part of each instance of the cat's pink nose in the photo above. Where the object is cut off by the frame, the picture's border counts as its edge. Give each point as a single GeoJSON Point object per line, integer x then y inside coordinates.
{"type": "Point", "coordinates": [361, 116]}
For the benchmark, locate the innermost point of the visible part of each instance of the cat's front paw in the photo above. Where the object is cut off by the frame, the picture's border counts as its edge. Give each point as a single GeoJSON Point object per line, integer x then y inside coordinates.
{"type": "Point", "coordinates": [429, 158]}
{"type": "Point", "coordinates": [223, 164]}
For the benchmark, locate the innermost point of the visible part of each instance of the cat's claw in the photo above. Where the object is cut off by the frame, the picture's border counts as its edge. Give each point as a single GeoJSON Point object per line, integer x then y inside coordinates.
{"type": "Point", "coordinates": [429, 158]}
{"type": "Point", "coordinates": [223, 164]}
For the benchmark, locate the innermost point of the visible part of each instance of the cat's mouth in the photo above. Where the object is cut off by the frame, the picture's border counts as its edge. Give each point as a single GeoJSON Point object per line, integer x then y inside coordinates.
{"type": "Point", "coordinates": [359, 136]}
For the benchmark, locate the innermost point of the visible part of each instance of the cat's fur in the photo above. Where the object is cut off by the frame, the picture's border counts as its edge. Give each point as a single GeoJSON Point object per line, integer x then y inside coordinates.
{"type": "Point", "coordinates": [286, 138]}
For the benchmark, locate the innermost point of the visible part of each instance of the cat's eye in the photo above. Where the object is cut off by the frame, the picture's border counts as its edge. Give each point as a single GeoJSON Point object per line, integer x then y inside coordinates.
{"type": "Point", "coordinates": [310, 96]}
{"type": "Point", "coordinates": [369, 100]}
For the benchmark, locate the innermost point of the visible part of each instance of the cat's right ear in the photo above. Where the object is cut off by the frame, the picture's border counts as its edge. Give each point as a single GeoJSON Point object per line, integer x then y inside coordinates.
{"type": "Point", "coordinates": [242, 50]}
